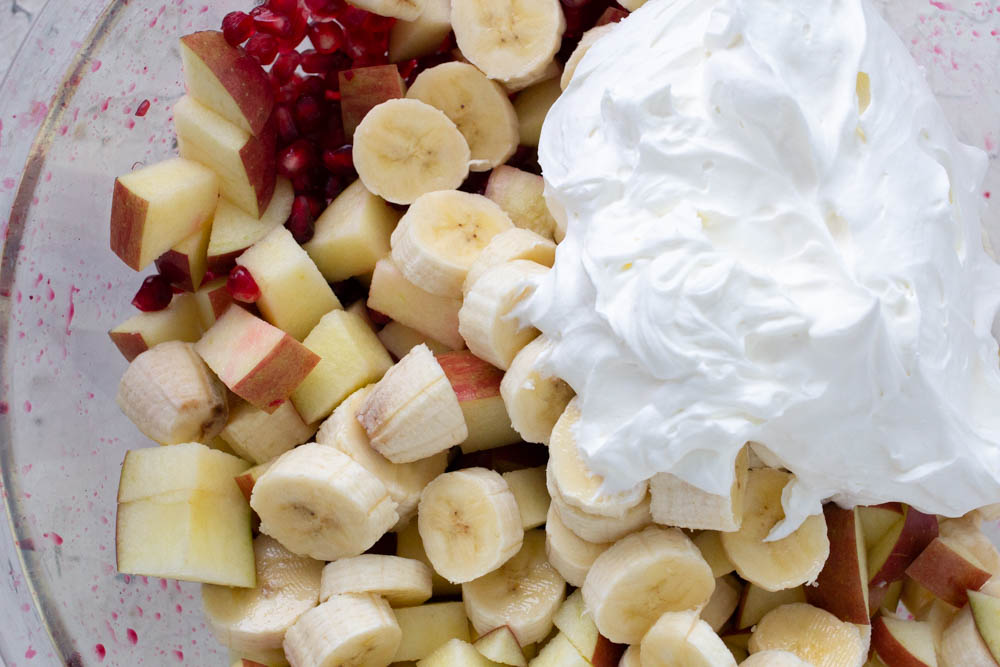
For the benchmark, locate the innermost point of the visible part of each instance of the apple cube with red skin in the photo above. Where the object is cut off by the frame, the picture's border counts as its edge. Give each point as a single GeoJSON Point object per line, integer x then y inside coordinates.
{"type": "Point", "coordinates": [573, 621]}
{"type": "Point", "coordinates": [246, 480]}
{"type": "Point", "coordinates": [519, 194]}
{"type": "Point", "coordinates": [213, 299]}
{"type": "Point", "coordinates": [227, 80]}
{"type": "Point", "coordinates": [185, 264]}
{"type": "Point", "coordinates": [234, 230]}
{"type": "Point", "coordinates": [397, 298]}
{"type": "Point", "coordinates": [842, 585]}
{"type": "Point", "coordinates": [257, 361]}
{"type": "Point", "coordinates": [178, 321]}
{"type": "Point", "coordinates": [900, 546]}
{"type": "Point", "coordinates": [477, 385]}
{"type": "Point", "coordinates": [876, 520]}
{"type": "Point", "coordinates": [156, 207]}
{"type": "Point", "coordinates": [363, 89]}
{"type": "Point", "coordinates": [948, 571]}
{"type": "Point", "coordinates": [903, 643]}
{"type": "Point", "coordinates": [244, 162]}
{"type": "Point", "coordinates": [258, 437]}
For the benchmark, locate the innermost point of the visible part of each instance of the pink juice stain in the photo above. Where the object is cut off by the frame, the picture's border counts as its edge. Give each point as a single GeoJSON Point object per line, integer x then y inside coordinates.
{"type": "Point", "coordinates": [133, 637]}
{"type": "Point", "coordinates": [96, 65]}
{"type": "Point", "coordinates": [179, 655]}
{"type": "Point", "coordinates": [55, 537]}
{"type": "Point", "coordinates": [71, 310]}
{"type": "Point", "coordinates": [30, 653]}
{"type": "Point", "coordinates": [27, 406]}
{"type": "Point", "coordinates": [101, 652]}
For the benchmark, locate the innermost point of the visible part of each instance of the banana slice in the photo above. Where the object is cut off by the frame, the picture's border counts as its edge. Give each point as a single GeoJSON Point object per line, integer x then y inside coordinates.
{"type": "Point", "coordinates": [814, 635]}
{"type": "Point", "coordinates": [318, 502]}
{"type": "Point", "coordinates": [403, 582]}
{"type": "Point", "coordinates": [403, 481]}
{"type": "Point", "coordinates": [524, 594]}
{"type": "Point", "coordinates": [569, 477]}
{"type": "Point", "coordinates": [643, 576]}
{"type": "Point", "coordinates": [485, 320]}
{"type": "Point", "coordinates": [681, 638]}
{"type": "Point", "coordinates": [534, 399]}
{"type": "Point", "coordinates": [172, 396]}
{"type": "Point", "coordinates": [469, 523]}
{"type": "Point", "coordinates": [254, 620]}
{"type": "Point", "coordinates": [784, 563]}
{"type": "Point", "coordinates": [774, 658]}
{"type": "Point", "coordinates": [597, 528]}
{"type": "Point", "coordinates": [478, 107]}
{"type": "Point", "coordinates": [674, 502]}
{"type": "Point", "coordinates": [507, 246]}
{"type": "Point", "coordinates": [413, 412]}
{"type": "Point", "coordinates": [405, 148]}
{"type": "Point", "coordinates": [440, 237]}
{"type": "Point", "coordinates": [509, 40]}
{"type": "Point", "coordinates": [570, 556]}
{"type": "Point", "coordinates": [588, 40]}
{"type": "Point", "coordinates": [631, 657]}
{"type": "Point", "coordinates": [406, 10]}
{"type": "Point", "coordinates": [358, 630]}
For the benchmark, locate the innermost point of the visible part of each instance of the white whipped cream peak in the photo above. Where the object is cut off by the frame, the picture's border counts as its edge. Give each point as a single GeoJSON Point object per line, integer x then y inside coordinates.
{"type": "Point", "coordinates": [757, 252]}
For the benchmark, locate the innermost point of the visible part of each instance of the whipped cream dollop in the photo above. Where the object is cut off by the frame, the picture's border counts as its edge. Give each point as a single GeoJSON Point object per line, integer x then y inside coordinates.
{"type": "Point", "coordinates": [773, 235]}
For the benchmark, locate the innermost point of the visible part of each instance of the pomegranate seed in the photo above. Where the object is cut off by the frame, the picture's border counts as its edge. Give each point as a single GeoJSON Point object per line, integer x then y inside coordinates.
{"type": "Point", "coordinates": [406, 68]}
{"type": "Point", "coordinates": [334, 186]}
{"type": "Point", "coordinates": [287, 130]}
{"type": "Point", "coordinates": [574, 4]}
{"type": "Point", "coordinates": [308, 113]}
{"type": "Point", "coordinates": [283, 6]}
{"type": "Point", "coordinates": [611, 15]}
{"type": "Point", "coordinates": [476, 182]}
{"type": "Point", "coordinates": [295, 159]}
{"type": "Point", "coordinates": [326, 8]}
{"type": "Point", "coordinates": [286, 93]}
{"type": "Point", "coordinates": [312, 85]}
{"type": "Point", "coordinates": [341, 159]}
{"type": "Point", "coordinates": [237, 27]}
{"type": "Point", "coordinates": [326, 36]}
{"type": "Point", "coordinates": [377, 317]}
{"type": "Point", "coordinates": [300, 222]}
{"type": "Point", "coordinates": [271, 22]}
{"type": "Point", "coordinates": [241, 285]}
{"type": "Point", "coordinates": [314, 62]}
{"type": "Point", "coordinates": [286, 64]}
{"type": "Point", "coordinates": [142, 108]}
{"type": "Point", "coordinates": [300, 27]}
{"type": "Point", "coordinates": [262, 48]}
{"type": "Point", "coordinates": [155, 294]}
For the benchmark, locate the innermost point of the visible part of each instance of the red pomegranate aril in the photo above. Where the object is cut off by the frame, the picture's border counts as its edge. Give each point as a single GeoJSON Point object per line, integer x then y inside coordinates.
{"type": "Point", "coordinates": [288, 131]}
{"type": "Point", "coordinates": [142, 108]}
{"type": "Point", "coordinates": [155, 294]}
{"type": "Point", "coordinates": [326, 36]}
{"type": "Point", "coordinates": [339, 160]}
{"type": "Point", "coordinates": [283, 6]}
{"type": "Point", "coordinates": [316, 206]}
{"type": "Point", "coordinates": [313, 85]}
{"type": "Point", "coordinates": [271, 22]}
{"type": "Point", "coordinates": [237, 27]}
{"type": "Point", "coordinates": [334, 186]}
{"type": "Point", "coordinates": [314, 62]}
{"type": "Point", "coordinates": [575, 4]}
{"type": "Point", "coordinates": [262, 48]}
{"type": "Point", "coordinates": [296, 159]}
{"type": "Point", "coordinates": [241, 286]}
{"type": "Point", "coordinates": [300, 222]}
{"type": "Point", "coordinates": [300, 27]}
{"type": "Point", "coordinates": [286, 64]}
{"type": "Point", "coordinates": [308, 113]}
{"type": "Point", "coordinates": [326, 8]}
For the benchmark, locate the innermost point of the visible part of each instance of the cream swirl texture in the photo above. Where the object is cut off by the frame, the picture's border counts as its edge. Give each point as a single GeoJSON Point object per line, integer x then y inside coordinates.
{"type": "Point", "coordinates": [773, 235]}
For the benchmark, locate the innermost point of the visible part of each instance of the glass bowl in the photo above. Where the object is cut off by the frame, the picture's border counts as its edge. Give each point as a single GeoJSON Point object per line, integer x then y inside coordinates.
{"type": "Point", "coordinates": [67, 108]}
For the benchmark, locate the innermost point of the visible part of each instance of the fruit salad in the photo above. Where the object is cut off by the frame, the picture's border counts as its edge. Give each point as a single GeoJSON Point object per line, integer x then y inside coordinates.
{"type": "Point", "coordinates": [364, 455]}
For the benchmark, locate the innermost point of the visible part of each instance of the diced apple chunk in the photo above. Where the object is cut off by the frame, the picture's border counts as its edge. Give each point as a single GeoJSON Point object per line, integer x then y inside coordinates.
{"type": "Point", "coordinates": [293, 293]}
{"type": "Point", "coordinates": [397, 298]}
{"type": "Point", "coordinates": [186, 263]}
{"type": "Point", "coordinates": [352, 234]}
{"type": "Point", "coordinates": [528, 487]}
{"type": "Point", "coordinates": [899, 642]}
{"type": "Point", "coordinates": [532, 105]}
{"type": "Point", "coordinates": [180, 320]}
{"type": "Point", "coordinates": [986, 614]}
{"type": "Point", "coordinates": [519, 194]}
{"type": "Point", "coordinates": [477, 385]}
{"type": "Point", "coordinates": [155, 208]}
{"type": "Point", "coordinates": [576, 625]}
{"type": "Point", "coordinates": [429, 626]}
{"type": "Point", "coordinates": [456, 653]}
{"type": "Point", "coordinates": [755, 603]}
{"type": "Point", "coordinates": [257, 361]}
{"type": "Point", "coordinates": [559, 652]}
{"type": "Point", "coordinates": [213, 299]}
{"type": "Point", "coordinates": [842, 585]}
{"type": "Point", "coordinates": [351, 357]}
{"type": "Point", "coordinates": [948, 570]}
{"type": "Point", "coordinates": [501, 646]}
{"type": "Point", "coordinates": [181, 516]}
{"type": "Point", "coordinates": [364, 88]}
{"type": "Point", "coordinates": [234, 230]}
{"type": "Point", "coordinates": [412, 39]}
{"type": "Point", "coordinates": [259, 437]}
{"type": "Point", "coordinates": [399, 339]}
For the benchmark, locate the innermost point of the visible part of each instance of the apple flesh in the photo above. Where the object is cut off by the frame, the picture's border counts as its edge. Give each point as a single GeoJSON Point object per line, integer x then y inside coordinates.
{"type": "Point", "coordinates": [244, 162]}
{"type": "Point", "coordinates": [294, 296]}
{"type": "Point", "coordinates": [948, 571]}
{"type": "Point", "coordinates": [477, 385]}
{"type": "Point", "coordinates": [180, 320]}
{"type": "Point", "coordinates": [259, 437]}
{"type": "Point", "coordinates": [501, 646]}
{"type": "Point", "coordinates": [456, 653]}
{"type": "Point", "coordinates": [246, 480]}
{"type": "Point", "coordinates": [962, 645]}
{"type": "Point", "coordinates": [755, 603]}
{"type": "Point", "coordinates": [185, 264]}
{"type": "Point", "coordinates": [531, 494]}
{"type": "Point", "coordinates": [226, 80]}
{"type": "Point", "coordinates": [399, 339]}
{"type": "Point", "coordinates": [519, 194]}
{"type": "Point", "coordinates": [842, 585]}
{"type": "Point", "coordinates": [532, 105]}
{"type": "Point", "coordinates": [725, 598]}
{"type": "Point", "coordinates": [257, 361]}
{"type": "Point", "coordinates": [420, 37]}
{"type": "Point", "coordinates": [364, 88]}
{"type": "Point", "coordinates": [986, 614]}
{"type": "Point", "coordinates": [885, 597]}
{"type": "Point", "coordinates": [876, 520]}
{"type": "Point", "coordinates": [577, 626]}
{"type": "Point", "coordinates": [156, 207]}
{"type": "Point", "coordinates": [903, 643]}
{"type": "Point", "coordinates": [352, 234]}
{"type": "Point", "coordinates": [397, 298]}
{"type": "Point", "coordinates": [560, 652]}
{"type": "Point", "coordinates": [234, 230]}
{"type": "Point", "coordinates": [409, 545]}
{"type": "Point", "coordinates": [427, 627]}
{"type": "Point", "coordinates": [900, 546]}
{"type": "Point", "coordinates": [213, 299]}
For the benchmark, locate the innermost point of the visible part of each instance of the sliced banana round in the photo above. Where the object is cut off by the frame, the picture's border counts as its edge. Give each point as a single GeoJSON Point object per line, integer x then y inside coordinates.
{"type": "Point", "coordinates": [405, 148]}
{"type": "Point", "coordinates": [524, 594]}
{"type": "Point", "coordinates": [507, 246]}
{"type": "Point", "coordinates": [405, 10]}
{"type": "Point", "coordinates": [441, 235]}
{"type": "Point", "coordinates": [597, 528]}
{"type": "Point", "coordinates": [774, 658]}
{"type": "Point", "coordinates": [403, 582]}
{"type": "Point", "coordinates": [469, 523]}
{"type": "Point", "coordinates": [253, 620]}
{"type": "Point", "coordinates": [413, 412]}
{"type": "Point", "coordinates": [784, 563]}
{"type": "Point", "coordinates": [681, 638]}
{"type": "Point", "coordinates": [642, 577]}
{"type": "Point", "coordinates": [534, 398]}
{"type": "Point", "coordinates": [319, 502]}
{"type": "Point", "coordinates": [568, 476]}
{"type": "Point", "coordinates": [403, 481]}
{"type": "Point", "coordinates": [479, 107]}
{"type": "Point", "coordinates": [571, 556]}
{"type": "Point", "coordinates": [357, 630]}
{"type": "Point", "coordinates": [171, 395]}
{"type": "Point", "coordinates": [588, 40]}
{"type": "Point", "coordinates": [812, 634]}
{"type": "Point", "coordinates": [509, 40]}
{"type": "Point", "coordinates": [485, 320]}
